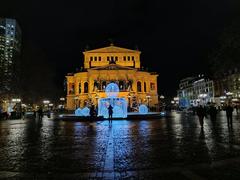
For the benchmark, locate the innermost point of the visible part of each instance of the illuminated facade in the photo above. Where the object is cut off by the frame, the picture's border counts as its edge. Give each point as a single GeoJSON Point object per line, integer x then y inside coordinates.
{"type": "Point", "coordinates": [10, 45]}
{"type": "Point", "coordinates": [195, 90]}
{"type": "Point", "coordinates": [227, 87]}
{"type": "Point", "coordinates": [111, 64]}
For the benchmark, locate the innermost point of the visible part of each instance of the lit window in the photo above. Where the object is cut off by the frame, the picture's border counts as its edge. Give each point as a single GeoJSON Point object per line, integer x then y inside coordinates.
{"type": "Point", "coordinates": [86, 87]}
{"type": "Point", "coordinates": [145, 87]}
{"type": "Point", "coordinates": [152, 86]}
{"type": "Point", "coordinates": [139, 86]}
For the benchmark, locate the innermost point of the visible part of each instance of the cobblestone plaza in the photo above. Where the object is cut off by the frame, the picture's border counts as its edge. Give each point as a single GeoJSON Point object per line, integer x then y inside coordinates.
{"type": "Point", "coordinates": [168, 148]}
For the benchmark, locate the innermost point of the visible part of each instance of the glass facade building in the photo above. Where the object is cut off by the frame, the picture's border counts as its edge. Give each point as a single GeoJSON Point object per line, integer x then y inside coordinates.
{"type": "Point", "coordinates": [10, 49]}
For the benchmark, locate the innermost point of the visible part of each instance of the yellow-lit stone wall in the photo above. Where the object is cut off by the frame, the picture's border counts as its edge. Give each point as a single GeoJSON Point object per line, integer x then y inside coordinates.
{"type": "Point", "coordinates": [102, 56]}
{"type": "Point", "coordinates": [122, 71]}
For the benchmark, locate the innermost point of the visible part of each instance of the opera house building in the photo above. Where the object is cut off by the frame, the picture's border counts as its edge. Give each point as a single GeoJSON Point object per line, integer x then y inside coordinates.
{"type": "Point", "coordinates": [112, 64]}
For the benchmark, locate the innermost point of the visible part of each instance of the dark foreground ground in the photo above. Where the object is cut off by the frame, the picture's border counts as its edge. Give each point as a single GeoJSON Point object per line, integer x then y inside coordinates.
{"type": "Point", "coordinates": [166, 148]}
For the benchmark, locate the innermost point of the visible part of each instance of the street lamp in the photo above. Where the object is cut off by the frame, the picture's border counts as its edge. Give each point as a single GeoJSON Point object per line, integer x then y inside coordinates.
{"type": "Point", "coordinates": [129, 103]}
{"type": "Point", "coordinates": [75, 101]}
{"type": "Point", "coordinates": [161, 102]}
{"type": "Point", "coordinates": [97, 97]}
{"type": "Point", "coordinates": [162, 97]}
{"type": "Point", "coordinates": [62, 99]}
{"type": "Point", "coordinates": [229, 96]}
{"type": "Point", "coordinates": [148, 98]}
{"type": "Point", "coordinates": [18, 106]}
{"type": "Point", "coordinates": [46, 103]}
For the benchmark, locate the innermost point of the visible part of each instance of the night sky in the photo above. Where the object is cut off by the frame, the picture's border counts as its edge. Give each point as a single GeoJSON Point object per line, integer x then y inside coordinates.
{"type": "Point", "coordinates": [175, 37]}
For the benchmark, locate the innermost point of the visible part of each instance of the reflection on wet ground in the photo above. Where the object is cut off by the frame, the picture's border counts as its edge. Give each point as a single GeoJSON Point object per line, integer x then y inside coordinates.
{"type": "Point", "coordinates": [173, 147]}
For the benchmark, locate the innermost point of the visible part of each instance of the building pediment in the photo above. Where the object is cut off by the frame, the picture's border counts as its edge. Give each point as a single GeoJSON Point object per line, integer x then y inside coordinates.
{"type": "Point", "coordinates": [112, 49]}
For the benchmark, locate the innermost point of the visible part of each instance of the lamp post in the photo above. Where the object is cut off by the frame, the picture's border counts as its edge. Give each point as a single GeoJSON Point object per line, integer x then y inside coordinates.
{"type": "Point", "coordinates": [148, 98]}
{"type": "Point", "coordinates": [75, 101]}
{"type": "Point", "coordinates": [46, 103]}
{"type": "Point", "coordinates": [97, 97]}
{"type": "Point", "coordinates": [129, 103]}
{"type": "Point", "coordinates": [162, 103]}
{"type": "Point", "coordinates": [18, 106]}
{"type": "Point", "coordinates": [229, 96]}
{"type": "Point", "coordinates": [62, 99]}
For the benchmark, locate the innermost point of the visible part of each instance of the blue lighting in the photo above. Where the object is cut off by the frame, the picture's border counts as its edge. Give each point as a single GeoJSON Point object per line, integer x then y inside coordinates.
{"type": "Point", "coordinates": [143, 109]}
{"type": "Point", "coordinates": [162, 113]}
{"type": "Point", "coordinates": [82, 112]}
{"type": "Point", "coordinates": [119, 104]}
{"type": "Point", "coordinates": [112, 90]}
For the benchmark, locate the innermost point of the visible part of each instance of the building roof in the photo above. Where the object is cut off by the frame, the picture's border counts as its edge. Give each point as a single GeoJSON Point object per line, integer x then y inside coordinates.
{"type": "Point", "coordinates": [112, 49]}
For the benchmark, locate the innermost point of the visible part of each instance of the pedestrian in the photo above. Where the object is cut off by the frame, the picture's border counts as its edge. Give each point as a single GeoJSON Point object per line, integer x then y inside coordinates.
{"type": "Point", "coordinates": [110, 113]}
{"type": "Point", "coordinates": [213, 113]}
{"type": "Point", "coordinates": [23, 113]}
{"type": "Point", "coordinates": [40, 113]}
{"type": "Point", "coordinates": [92, 111]}
{"type": "Point", "coordinates": [229, 111]}
{"type": "Point", "coordinates": [237, 108]}
{"type": "Point", "coordinates": [201, 113]}
{"type": "Point", "coordinates": [34, 114]}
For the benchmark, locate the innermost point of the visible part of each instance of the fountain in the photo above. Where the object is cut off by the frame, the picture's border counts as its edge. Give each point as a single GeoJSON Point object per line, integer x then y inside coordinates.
{"type": "Point", "coordinates": [82, 112]}
{"type": "Point", "coordinates": [119, 108]}
{"type": "Point", "coordinates": [119, 104]}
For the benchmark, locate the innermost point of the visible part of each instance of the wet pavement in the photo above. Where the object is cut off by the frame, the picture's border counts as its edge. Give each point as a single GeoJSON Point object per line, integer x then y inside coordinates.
{"type": "Point", "coordinates": [167, 148]}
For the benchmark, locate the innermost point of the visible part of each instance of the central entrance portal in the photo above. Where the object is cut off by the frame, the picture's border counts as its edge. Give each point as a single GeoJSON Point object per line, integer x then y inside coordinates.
{"type": "Point", "coordinates": [119, 104]}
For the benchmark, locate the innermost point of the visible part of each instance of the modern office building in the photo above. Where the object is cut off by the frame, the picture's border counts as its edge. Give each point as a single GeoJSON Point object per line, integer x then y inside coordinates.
{"type": "Point", "coordinates": [10, 48]}
{"type": "Point", "coordinates": [111, 64]}
{"type": "Point", "coordinates": [195, 90]}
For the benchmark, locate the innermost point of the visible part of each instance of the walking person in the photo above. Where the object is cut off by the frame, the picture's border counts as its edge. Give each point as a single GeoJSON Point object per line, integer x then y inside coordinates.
{"type": "Point", "coordinates": [237, 108]}
{"type": "Point", "coordinates": [40, 113]}
{"type": "Point", "coordinates": [110, 113]}
{"type": "Point", "coordinates": [229, 111]}
{"type": "Point", "coordinates": [213, 113]}
{"type": "Point", "coordinates": [201, 113]}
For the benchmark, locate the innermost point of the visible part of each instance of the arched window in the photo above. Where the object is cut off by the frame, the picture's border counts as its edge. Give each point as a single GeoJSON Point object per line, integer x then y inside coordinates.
{"type": "Point", "coordinates": [129, 85]}
{"type": "Point", "coordinates": [95, 86]}
{"type": "Point", "coordinates": [145, 87]}
{"type": "Point", "coordinates": [139, 86]}
{"type": "Point", "coordinates": [86, 87]}
{"type": "Point", "coordinates": [104, 85]}
{"type": "Point", "coordinates": [121, 85]}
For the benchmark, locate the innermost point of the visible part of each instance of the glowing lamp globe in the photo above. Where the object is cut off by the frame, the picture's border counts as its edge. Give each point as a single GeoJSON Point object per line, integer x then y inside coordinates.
{"type": "Point", "coordinates": [143, 109]}
{"type": "Point", "coordinates": [86, 111]}
{"type": "Point", "coordinates": [112, 90]}
{"type": "Point", "coordinates": [78, 112]}
{"type": "Point", "coordinates": [82, 112]}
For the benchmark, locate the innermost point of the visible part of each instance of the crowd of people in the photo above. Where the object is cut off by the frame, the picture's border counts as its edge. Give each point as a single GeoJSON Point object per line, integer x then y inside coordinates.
{"type": "Point", "coordinates": [203, 111]}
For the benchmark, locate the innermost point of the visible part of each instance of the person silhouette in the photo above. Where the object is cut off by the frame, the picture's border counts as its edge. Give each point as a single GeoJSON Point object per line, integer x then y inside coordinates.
{"type": "Point", "coordinates": [229, 111]}
{"type": "Point", "coordinates": [213, 113]}
{"type": "Point", "coordinates": [40, 113]}
{"type": "Point", "coordinates": [201, 113]}
{"type": "Point", "coordinates": [92, 112]}
{"type": "Point", "coordinates": [110, 113]}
